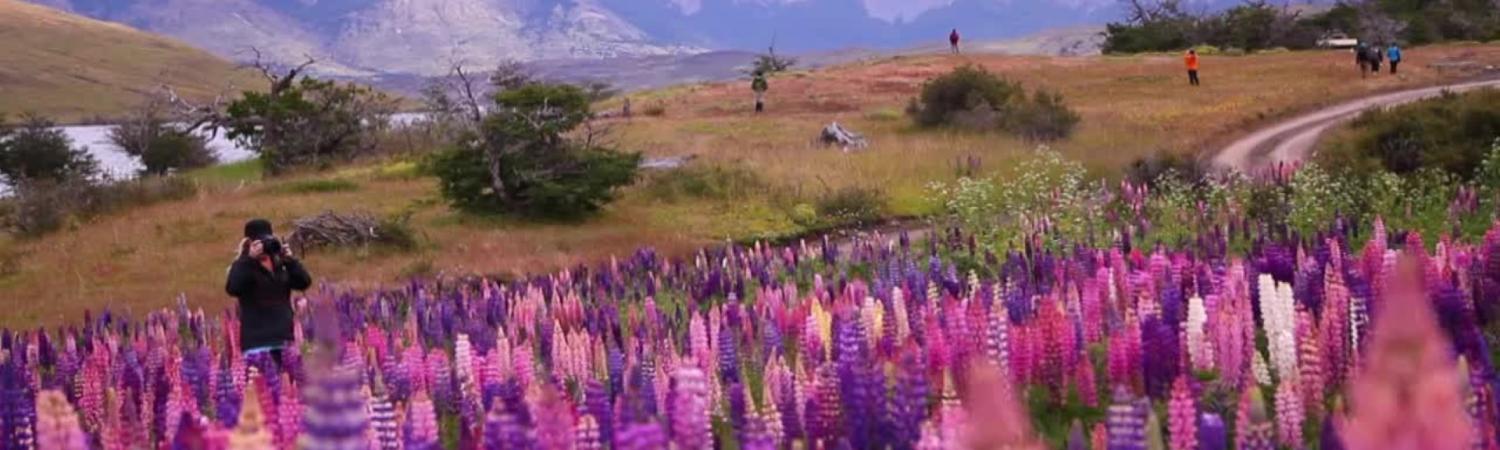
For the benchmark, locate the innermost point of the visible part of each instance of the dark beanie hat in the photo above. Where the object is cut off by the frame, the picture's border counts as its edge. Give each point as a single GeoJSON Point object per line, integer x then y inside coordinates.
{"type": "Point", "coordinates": [257, 228]}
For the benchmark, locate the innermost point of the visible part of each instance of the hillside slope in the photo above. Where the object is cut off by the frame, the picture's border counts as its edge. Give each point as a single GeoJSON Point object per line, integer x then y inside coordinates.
{"type": "Point", "coordinates": [72, 68]}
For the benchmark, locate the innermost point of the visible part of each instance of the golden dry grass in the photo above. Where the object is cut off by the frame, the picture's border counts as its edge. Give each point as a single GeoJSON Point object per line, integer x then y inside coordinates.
{"type": "Point", "coordinates": [72, 68]}
{"type": "Point", "coordinates": [1131, 106]}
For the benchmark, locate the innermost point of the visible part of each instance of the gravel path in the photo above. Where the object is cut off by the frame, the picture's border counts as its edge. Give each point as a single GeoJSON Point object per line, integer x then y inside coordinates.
{"type": "Point", "coordinates": [1293, 139]}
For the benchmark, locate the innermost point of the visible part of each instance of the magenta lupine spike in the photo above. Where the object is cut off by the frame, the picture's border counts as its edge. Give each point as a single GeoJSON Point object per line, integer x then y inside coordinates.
{"type": "Point", "coordinates": [931, 438]}
{"type": "Point", "coordinates": [421, 427]}
{"type": "Point", "coordinates": [555, 426]}
{"type": "Point", "coordinates": [689, 411]}
{"type": "Point", "coordinates": [57, 426]}
{"type": "Point", "coordinates": [1182, 416]}
{"type": "Point", "coordinates": [1087, 383]}
{"type": "Point", "coordinates": [288, 417]}
{"type": "Point", "coordinates": [1408, 395]}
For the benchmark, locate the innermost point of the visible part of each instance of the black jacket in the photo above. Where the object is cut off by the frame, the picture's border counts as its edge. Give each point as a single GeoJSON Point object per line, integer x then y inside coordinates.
{"type": "Point", "coordinates": [265, 299]}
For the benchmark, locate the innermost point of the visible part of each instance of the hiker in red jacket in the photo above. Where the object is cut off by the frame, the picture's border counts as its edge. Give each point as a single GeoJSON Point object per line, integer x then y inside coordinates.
{"type": "Point", "coordinates": [953, 40]}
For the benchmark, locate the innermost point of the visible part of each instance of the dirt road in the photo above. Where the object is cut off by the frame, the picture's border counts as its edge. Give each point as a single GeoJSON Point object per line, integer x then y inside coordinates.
{"type": "Point", "coordinates": [1293, 139]}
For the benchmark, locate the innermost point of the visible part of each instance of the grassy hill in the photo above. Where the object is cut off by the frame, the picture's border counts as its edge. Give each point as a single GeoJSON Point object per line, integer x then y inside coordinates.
{"type": "Point", "coordinates": [73, 68]}
{"type": "Point", "coordinates": [752, 175]}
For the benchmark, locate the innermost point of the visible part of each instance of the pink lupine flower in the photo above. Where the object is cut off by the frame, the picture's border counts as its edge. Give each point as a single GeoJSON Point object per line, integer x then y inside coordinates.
{"type": "Point", "coordinates": [1310, 360]}
{"type": "Point", "coordinates": [1182, 416]}
{"type": "Point", "coordinates": [1407, 396]}
{"type": "Point", "coordinates": [57, 425]}
{"type": "Point", "coordinates": [1289, 412]}
{"type": "Point", "coordinates": [995, 419]}
{"type": "Point", "coordinates": [251, 432]}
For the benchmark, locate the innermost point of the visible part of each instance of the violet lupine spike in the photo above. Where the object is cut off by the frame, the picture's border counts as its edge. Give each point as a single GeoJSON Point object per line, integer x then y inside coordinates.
{"type": "Point", "coordinates": [334, 416]}
{"type": "Point", "coordinates": [642, 436]}
{"type": "Point", "coordinates": [383, 419]}
{"type": "Point", "coordinates": [1212, 434]}
{"type": "Point", "coordinates": [504, 431]}
{"type": "Point", "coordinates": [1126, 420]}
{"type": "Point", "coordinates": [689, 409]}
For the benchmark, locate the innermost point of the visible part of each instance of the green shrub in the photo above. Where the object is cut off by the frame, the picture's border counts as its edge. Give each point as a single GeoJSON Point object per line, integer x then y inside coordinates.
{"type": "Point", "coordinates": [971, 97]}
{"type": "Point", "coordinates": [525, 162]}
{"type": "Point", "coordinates": [315, 186]}
{"type": "Point", "coordinates": [160, 146]}
{"type": "Point", "coordinates": [42, 207]}
{"type": "Point", "coordinates": [963, 91]}
{"type": "Point", "coordinates": [707, 182]}
{"type": "Point", "coordinates": [1453, 133]}
{"type": "Point", "coordinates": [37, 151]}
{"type": "Point", "coordinates": [1163, 165]}
{"type": "Point", "coordinates": [851, 206]}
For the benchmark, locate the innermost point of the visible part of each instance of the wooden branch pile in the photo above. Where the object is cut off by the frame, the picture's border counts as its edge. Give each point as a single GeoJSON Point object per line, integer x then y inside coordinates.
{"type": "Point", "coordinates": [331, 229]}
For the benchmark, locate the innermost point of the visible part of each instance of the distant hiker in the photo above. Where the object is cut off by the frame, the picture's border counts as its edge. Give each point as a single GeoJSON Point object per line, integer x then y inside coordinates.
{"type": "Point", "coordinates": [625, 110]}
{"type": "Point", "coordinates": [1368, 59]}
{"type": "Point", "coordinates": [953, 41]}
{"type": "Point", "coordinates": [1394, 54]}
{"type": "Point", "coordinates": [759, 85]}
{"type": "Point", "coordinates": [1191, 59]}
{"type": "Point", "coordinates": [262, 279]}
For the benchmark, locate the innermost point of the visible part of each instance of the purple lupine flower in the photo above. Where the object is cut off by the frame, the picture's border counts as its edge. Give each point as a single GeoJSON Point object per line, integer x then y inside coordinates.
{"type": "Point", "coordinates": [17, 407]}
{"type": "Point", "coordinates": [226, 399]}
{"type": "Point", "coordinates": [642, 436]}
{"type": "Point", "coordinates": [334, 416]}
{"type": "Point", "coordinates": [503, 430]}
{"type": "Point", "coordinates": [597, 404]}
{"type": "Point", "coordinates": [383, 419]}
{"type": "Point", "coordinates": [688, 409]}
{"type": "Point", "coordinates": [1212, 434]}
{"type": "Point", "coordinates": [1127, 422]}
{"type": "Point", "coordinates": [1076, 439]}
{"type": "Point", "coordinates": [907, 405]}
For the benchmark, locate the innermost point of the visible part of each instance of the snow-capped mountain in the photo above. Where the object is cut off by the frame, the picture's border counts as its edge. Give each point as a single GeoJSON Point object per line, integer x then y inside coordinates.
{"type": "Point", "coordinates": [425, 37]}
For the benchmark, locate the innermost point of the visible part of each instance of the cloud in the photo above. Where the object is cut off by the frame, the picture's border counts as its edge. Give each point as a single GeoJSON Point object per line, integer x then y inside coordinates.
{"type": "Point", "coordinates": [899, 10]}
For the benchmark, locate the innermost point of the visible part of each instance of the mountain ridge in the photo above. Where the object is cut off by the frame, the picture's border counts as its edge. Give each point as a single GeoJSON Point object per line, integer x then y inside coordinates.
{"type": "Point", "coordinates": [358, 38]}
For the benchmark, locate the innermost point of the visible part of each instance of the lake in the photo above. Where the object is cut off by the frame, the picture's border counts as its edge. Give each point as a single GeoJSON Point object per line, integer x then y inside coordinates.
{"type": "Point", "coordinates": [117, 164]}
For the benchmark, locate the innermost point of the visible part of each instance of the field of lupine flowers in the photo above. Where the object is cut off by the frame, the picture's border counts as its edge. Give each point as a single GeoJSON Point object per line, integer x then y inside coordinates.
{"type": "Point", "coordinates": [1247, 337]}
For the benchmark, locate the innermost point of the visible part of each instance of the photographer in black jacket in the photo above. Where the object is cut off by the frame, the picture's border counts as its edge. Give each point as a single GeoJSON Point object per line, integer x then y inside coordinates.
{"type": "Point", "coordinates": [262, 278]}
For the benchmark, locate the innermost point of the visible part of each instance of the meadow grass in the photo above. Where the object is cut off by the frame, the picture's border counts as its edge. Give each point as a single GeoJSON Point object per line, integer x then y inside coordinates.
{"type": "Point", "coordinates": [1131, 106]}
{"type": "Point", "coordinates": [70, 68]}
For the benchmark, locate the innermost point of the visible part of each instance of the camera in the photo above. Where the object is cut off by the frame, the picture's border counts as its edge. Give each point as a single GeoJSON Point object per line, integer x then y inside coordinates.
{"type": "Point", "coordinates": [270, 245]}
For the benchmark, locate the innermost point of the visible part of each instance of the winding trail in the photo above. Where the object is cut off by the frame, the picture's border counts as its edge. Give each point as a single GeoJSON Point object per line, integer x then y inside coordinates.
{"type": "Point", "coordinates": [1292, 140]}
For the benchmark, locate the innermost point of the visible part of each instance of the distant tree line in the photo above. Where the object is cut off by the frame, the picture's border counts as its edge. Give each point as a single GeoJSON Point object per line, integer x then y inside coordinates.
{"type": "Point", "coordinates": [1168, 25]}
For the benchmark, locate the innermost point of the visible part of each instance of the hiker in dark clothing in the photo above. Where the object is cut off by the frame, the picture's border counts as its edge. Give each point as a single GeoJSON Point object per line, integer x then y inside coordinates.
{"type": "Point", "coordinates": [760, 86]}
{"type": "Point", "coordinates": [262, 279]}
{"type": "Point", "coordinates": [953, 41]}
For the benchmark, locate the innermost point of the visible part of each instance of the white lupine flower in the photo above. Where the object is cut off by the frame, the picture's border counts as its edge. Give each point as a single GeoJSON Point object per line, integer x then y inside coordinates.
{"type": "Point", "coordinates": [1197, 317]}
{"type": "Point", "coordinates": [1276, 310]}
{"type": "Point", "coordinates": [1258, 368]}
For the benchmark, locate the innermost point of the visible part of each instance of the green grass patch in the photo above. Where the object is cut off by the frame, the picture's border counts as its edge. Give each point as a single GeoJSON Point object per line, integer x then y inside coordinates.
{"type": "Point", "coordinates": [232, 173]}
{"type": "Point", "coordinates": [314, 186]}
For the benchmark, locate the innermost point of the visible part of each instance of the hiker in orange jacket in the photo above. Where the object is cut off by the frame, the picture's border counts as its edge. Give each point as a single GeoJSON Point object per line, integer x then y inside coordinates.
{"type": "Point", "coordinates": [1192, 66]}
